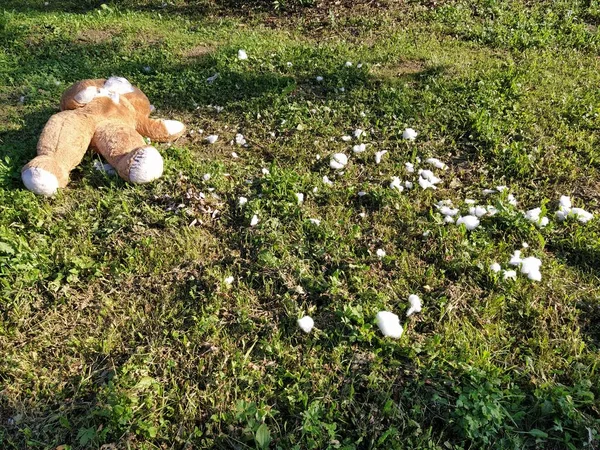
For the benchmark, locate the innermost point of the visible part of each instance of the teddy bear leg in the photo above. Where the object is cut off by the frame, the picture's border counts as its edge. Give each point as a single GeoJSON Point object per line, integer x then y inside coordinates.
{"type": "Point", "coordinates": [61, 147]}
{"type": "Point", "coordinates": [160, 130]}
{"type": "Point", "coordinates": [125, 150]}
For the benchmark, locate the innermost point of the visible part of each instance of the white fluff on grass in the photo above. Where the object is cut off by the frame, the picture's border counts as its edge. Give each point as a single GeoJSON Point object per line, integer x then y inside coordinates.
{"type": "Point", "coordinates": [512, 200]}
{"type": "Point", "coordinates": [396, 184]}
{"type": "Point", "coordinates": [436, 163]}
{"type": "Point", "coordinates": [265, 171]}
{"type": "Point", "coordinates": [478, 211]}
{"type": "Point", "coordinates": [410, 168]}
{"type": "Point", "coordinates": [327, 181]}
{"type": "Point", "coordinates": [240, 139]}
{"type": "Point", "coordinates": [530, 266]}
{"type": "Point", "coordinates": [389, 324]}
{"type": "Point", "coordinates": [338, 161]}
{"type": "Point", "coordinates": [346, 138]}
{"type": "Point", "coordinates": [515, 259]}
{"type": "Point", "coordinates": [470, 201]}
{"type": "Point", "coordinates": [567, 211]}
{"type": "Point", "coordinates": [211, 80]}
{"type": "Point", "coordinates": [509, 274]}
{"type": "Point", "coordinates": [426, 184]}
{"type": "Point", "coordinates": [206, 176]}
{"type": "Point", "coordinates": [300, 197]}
{"type": "Point", "coordinates": [495, 267]}
{"type": "Point", "coordinates": [229, 280]}
{"type": "Point", "coordinates": [470, 222]}
{"type": "Point", "coordinates": [359, 148]}
{"type": "Point", "coordinates": [429, 176]}
{"type": "Point", "coordinates": [408, 184]}
{"type": "Point", "coordinates": [242, 201]}
{"type": "Point", "coordinates": [211, 139]}
{"type": "Point", "coordinates": [447, 211]}
{"type": "Point", "coordinates": [234, 155]}
{"type": "Point", "coordinates": [319, 78]}
{"type": "Point", "coordinates": [379, 155]}
{"type": "Point", "coordinates": [254, 220]}
{"type": "Point", "coordinates": [358, 133]}
{"type": "Point", "coordinates": [448, 219]}
{"type": "Point", "coordinates": [380, 253]}
{"type": "Point", "coordinates": [415, 304]}
{"type": "Point", "coordinates": [489, 191]}
{"type": "Point", "coordinates": [409, 134]}
{"type": "Point", "coordinates": [533, 215]}
{"type": "Point", "coordinates": [242, 55]}
{"type": "Point", "coordinates": [315, 221]}
{"type": "Point", "coordinates": [306, 324]}
{"type": "Point", "coordinates": [348, 64]}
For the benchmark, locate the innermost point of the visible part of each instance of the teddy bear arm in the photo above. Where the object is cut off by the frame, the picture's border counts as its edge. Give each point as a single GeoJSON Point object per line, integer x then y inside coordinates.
{"type": "Point", "coordinates": [61, 147]}
{"type": "Point", "coordinates": [125, 149]}
{"type": "Point", "coordinates": [160, 130]}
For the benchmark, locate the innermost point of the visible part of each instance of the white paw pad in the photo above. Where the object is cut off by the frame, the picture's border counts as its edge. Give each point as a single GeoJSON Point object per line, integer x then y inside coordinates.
{"type": "Point", "coordinates": [147, 165]}
{"type": "Point", "coordinates": [40, 181]}
{"type": "Point", "coordinates": [173, 126]}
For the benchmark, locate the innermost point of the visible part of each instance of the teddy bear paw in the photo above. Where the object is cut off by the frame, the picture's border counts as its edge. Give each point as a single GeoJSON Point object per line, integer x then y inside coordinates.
{"type": "Point", "coordinates": [146, 166]}
{"type": "Point", "coordinates": [173, 127]}
{"type": "Point", "coordinates": [40, 181]}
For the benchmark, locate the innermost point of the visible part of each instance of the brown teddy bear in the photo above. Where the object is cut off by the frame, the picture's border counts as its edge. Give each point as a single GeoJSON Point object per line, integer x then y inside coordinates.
{"type": "Point", "coordinates": [111, 116]}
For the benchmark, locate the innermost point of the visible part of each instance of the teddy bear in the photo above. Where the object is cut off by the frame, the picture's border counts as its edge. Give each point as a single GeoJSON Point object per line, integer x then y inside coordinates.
{"type": "Point", "coordinates": [109, 115]}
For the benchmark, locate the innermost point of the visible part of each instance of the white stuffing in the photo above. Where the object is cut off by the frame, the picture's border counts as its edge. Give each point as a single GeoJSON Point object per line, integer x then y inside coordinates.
{"type": "Point", "coordinates": [346, 138]}
{"type": "Point", "coordinates": [380, 253]}
{"type": "Point", "coordinates": [448, 219]}
{"type": "Point", "coordinates": [436, 163]}
{"type": "Point", "coordinates": [359, 148]}
{"type": "Point", "coordinates": [470, 222]}
{"type": "Point", "coordinates": [300, 197]}
{"type": "Point", "coordinates": [327, 181]}
{"type": "Point", "coordinates": [515, 259]}
{"type": "Point", "coordinates": [229, 280]}
{"type": "Point", "coordinates": [396, 184]}
{"type": "Point", "coordinates": [315, 221]}
{"type": "Point", "coordinates": [567, 211]}
{"type": "Point", "coordinates": [254, 220]}
{"type": "Point", "coordinates": [242, 55]}
{"type": "Point", "coordinates": [319, 78]}
{"type": "Point", "coordinates": [379, 155]}
{"type": "Point", "coordinates": [531, 267]}
{"type": "Point", "coordinates": [408, 184]}
{"type": "Point", "coordinates": [206, 176]}
{"type": "Point", "coordinates": [478, 211]}
{"type": "Point", "coordinates": [348, 64]}
{"type": "Point", "coordinates": [306, 324]}
{"type": "Point", "coordinates": [389, 324]}
{"type": "Point", "coordinates": [338, 161]}
{"type": "Point", "coordinates": [240, 139]}
{"type": "Point", "coordinates": [358, 133]}
{"type": "Point", "coordinates": [495, 267]}
{"type": "Point", "coordinates": [242, 201]}
{"type": "Point", "coordinates": [415, 304]}
{"type": "Point", "coordinates": [426, 184]}
{"type": "Point", "coordinates": [211, 139]}
{"type": "Point", "coordinates": [409, 134]}
{"type": "Point", "coordinates": [447, 211]}
{"type": "Point", "coordinates": [509, 274]}
{"type": "Point", "coordinates": [410, 168]}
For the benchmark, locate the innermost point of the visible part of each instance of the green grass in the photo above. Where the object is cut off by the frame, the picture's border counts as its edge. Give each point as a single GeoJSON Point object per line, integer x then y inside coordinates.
{"type": "Point", "coordinates": [117, 329]}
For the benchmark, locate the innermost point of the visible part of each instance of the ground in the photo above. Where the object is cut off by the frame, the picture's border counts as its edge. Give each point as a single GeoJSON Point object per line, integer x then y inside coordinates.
{"type": "Point", "coordinates": [119, 327]}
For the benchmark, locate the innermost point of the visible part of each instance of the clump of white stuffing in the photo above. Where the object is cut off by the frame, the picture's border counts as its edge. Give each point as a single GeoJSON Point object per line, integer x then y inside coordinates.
{"type": "Point", "coordinates": [306, 324]}
{"type": "Point", "coordinates": [470, 222]}
{"type": "Point", "coordinates": [566, 211]}
{"type": "Point", "coordinates": [415, 304]}
{"type": "Point", "coordinates": [338, 161]}
{"type": "Point", "coordinates": [409, 134]}
{"type": "Point", "coordinates": [389, 324]}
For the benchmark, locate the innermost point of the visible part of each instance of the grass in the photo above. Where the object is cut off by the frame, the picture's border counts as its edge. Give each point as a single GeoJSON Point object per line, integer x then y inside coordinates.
{"type": "Point", "coordinates": [117, 329]}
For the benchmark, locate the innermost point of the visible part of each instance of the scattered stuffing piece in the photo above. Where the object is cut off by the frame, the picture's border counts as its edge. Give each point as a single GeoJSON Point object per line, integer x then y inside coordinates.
{"type": "Point", "coordinates": [501, 188]}
{"type": "Point", "coordinates": [348, 64]}
{"type": "Point", "coordinates": [327, 181]}
{"type": "Point", "coordinates": [306, 324]}
{"type": "Point", "coordinates": [415, 304]}
{"type": "Point", "coordinates": [426, 184]}
{"type": "Point", "coordinates": [358, 133]}
{"type": "Point", "coordinates": [396, 184]}
{"type": "Point", "coordinates": [516, 259]}
{"type": "Point", "coordinates": [409, 134]}
{"type": "Point", "coordinates": [447, 211]}
{"type": "Point", "coordinates": [265, 171]}
{"type": "Point", "coordinates": [410, 168]}
{"type": "Point", "coordinates": [362, 193]}
{"type": "Point", "coordinates": [289, 64]}
{"type": "Point", "coordinates": [470, 222]}
{"type": "Point", "coordinates": [240, 139]}
{"type": "Point", "coordinates": [362, 215]}
{"type": "Point", "coordinates": [300, 197]}
{"type": "Point", "coordinates": [448, 219]}
{"type": "Point", "coordinates": [380, 253]}
{"type": "Point", "coordinates": [531, 267]}
{"type": "Point", "coordinates": [338, 161]}
{"type": "Point", "coordinates": [478, 211]}
{"type": "Point", "coordinates": [206, 176]}
{"type": "Point", "coordinates": [228, 280]}
{"type": "Point", "coordinates": [254, 220]}
{"type": "Point", "coordinates": [242, 55]}
{"type": "Point", "coordinates": [489, 191]}
{"type": "Point", "coordinates": [512, 200]}
{"type": "Point", "coordinates": [426, 233]}
{"type": "Point", "coordinates": [408, 184]}
{"type": "Point", "coordinates": [315, 221]}
{"type": "Point", "coordinates": [436, 163]}
{"type": "Point", "coordinates": [315, 190]}
{"type": "Point", "coordinates": [211, 139]}
{"type": "Point", "coordinates": [389, 324]}
{"type": "Point", "coordinates": [211, 80]}
{"type": "Point", "coordinates": [359, 148]}
{"type": "Point", "coordinates": [319, 78]}
{"type": "Point", "coordinates": [379, 155]}
{"type": "Point", "coordinates": [470, 201]}
{"type": "Point", "coordinates": [492, 210]}
{"type": "Point", "coordinates": [495, 267]}
{"type": "Point", "coordinates": [524, 245]}
{"type": "Point", "coordinates": [429, 176]}
{"type": "Point", "coordinates": [509, 274]}
{"type": "Point", "coordinates": [346, 138]}
{"type": "Point", "coordinates": [566, 211]}
{"type": "Point", "coordinates": [242, 201]}
{"type": "Point", "coordinates": [359, 65]}
{"type": "Point", "coordinates": [234, 155]}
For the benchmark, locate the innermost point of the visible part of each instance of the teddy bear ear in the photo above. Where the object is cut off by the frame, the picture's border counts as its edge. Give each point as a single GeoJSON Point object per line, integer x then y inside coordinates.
{"type": "Point", "coordinates": [118, 85]}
